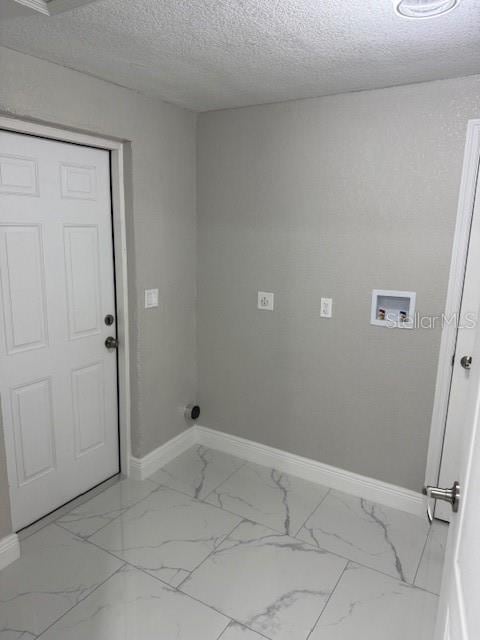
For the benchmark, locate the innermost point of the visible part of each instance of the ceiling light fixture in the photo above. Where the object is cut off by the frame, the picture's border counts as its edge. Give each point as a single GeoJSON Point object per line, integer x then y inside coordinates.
{"type": "Point", "coordinates": [424, 8]}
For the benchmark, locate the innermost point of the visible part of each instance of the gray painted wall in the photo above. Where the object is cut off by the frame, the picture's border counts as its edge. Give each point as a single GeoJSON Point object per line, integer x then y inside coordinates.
{"type": "Point", "coordinates": [161, 227]}
{"type": "Point", "coordinates": [333, 197]}
{"type": "Point", "coordinates": [328, 197]}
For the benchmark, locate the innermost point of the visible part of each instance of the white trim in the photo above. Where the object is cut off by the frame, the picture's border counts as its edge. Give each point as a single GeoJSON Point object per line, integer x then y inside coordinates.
{"type": "Point", "coordinates": [141, 468]}
{"type": "Point", "coordinates": [35, 5]}
{"type": "Point", "coordinates": [314, 471]}
{"type": "Point", "coordinates": [121, 287]}
{"type": "Point", "coordinates": [59, 6]}
{"type": "Point", "coordinates": [51, 7]}
{"type": "Point", "coordinates": [58, 133]}
{"type": "Point", "coordinates": [454, 298]}
{"type": "Point", "coordinates": [120, 246]}
{"type": "Point", "coordinates": [9, 550]}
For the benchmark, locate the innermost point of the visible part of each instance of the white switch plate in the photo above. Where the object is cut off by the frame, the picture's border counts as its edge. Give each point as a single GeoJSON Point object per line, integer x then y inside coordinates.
{"type": "Point", "coordinates": [265, 301]}
{"type": "Point", "coordinates": [326, 307]}
{"type": "Point", "coordinates": [151, 298]}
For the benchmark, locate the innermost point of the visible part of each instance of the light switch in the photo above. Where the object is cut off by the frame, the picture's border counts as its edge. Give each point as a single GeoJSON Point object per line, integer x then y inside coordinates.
{"type": "Point", "coordinates": [151, 298]}
{"type": "Point", "coordinates": [326, 307]}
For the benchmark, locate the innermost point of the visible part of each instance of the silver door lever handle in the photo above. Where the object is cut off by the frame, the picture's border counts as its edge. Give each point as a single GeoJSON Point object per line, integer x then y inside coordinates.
{"type": "Point", "coordinates": [451, 495]}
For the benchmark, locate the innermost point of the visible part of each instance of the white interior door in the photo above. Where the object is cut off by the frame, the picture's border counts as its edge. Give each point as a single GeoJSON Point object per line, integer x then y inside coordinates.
{"type": "Point", "coordinates": [459, 613]}
{"type": "Point", "coordinates": [58, 381]}
{"type": "Point", "coordinates": [461, 377]}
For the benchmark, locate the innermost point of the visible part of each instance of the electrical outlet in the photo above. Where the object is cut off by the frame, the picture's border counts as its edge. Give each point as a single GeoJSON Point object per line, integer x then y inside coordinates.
{"type": "Point", "coordinates": [151, 298]}
{"type": "Point", "coordinates": [265, 301]}
{"type": "Point", "coordinates": [326, 307]}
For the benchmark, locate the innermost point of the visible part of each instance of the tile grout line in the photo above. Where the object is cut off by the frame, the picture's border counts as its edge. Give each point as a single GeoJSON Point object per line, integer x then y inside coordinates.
{"type": "Point", "coordinates": [157, 487]}
{"type": "Point", "coordinates": [145, 571]}
{"type": "Point", "coordinates": [239, 622]}
{"type": "Point", "coordinates": [110, 553]}
{"type": "Point", "coordinates": [163, 583]}
{"type": "Point", "coordinates": [339, 555]}
{"type": "Point", "coordinates": [328, 600]}
{"type": "Point", "coordinates": [207, 557]}
{"type": "Point", "coordinates": [196, 449]}
{"type": "Point", "coordinates": [365, 566]}
{"type": "Point", "coordinates": [277, 531]}
{"type": "Point", "coordinates": [208, 504]}
{"type": "Point", "coordinates": [126, 563]}
{"type": "Point", "coordinates": [130, 564]}
{"type": "Point", "coordinates": [169, 586]}
{"type": "Point", "coordinates": [312, 512]}
{"type": "Point", "coordinates": [244, 464]}
{"type": "Point", "coordinates": [422, 554]}
{"type": "Point", "coordinates": [79, 602]}
{"type": "Point", "coordinates": [321, 549]}
{"type": "Point", "coordinates": [52, 518]}
{"type": "Point", "coordinates": [223, 631]}
{"type": "Point", "coordinates": [282, 531]}
{"type": "Point", "coordinates": [85, 538]}
{"type": "Point", "coordinates": [347, 560]}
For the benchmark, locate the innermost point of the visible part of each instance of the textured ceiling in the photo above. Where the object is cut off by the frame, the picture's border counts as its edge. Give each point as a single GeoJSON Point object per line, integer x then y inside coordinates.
{"type": "Point", "coordinates": [211, 54]}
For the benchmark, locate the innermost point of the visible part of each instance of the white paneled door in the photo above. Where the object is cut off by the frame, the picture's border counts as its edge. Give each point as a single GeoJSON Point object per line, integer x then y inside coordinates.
{"type": "Point", "coordinates": [461, 376]}
{"type": "Point", "coordinates": [459, 613]}
{"type": "Point", "coordinates": [58, 381]}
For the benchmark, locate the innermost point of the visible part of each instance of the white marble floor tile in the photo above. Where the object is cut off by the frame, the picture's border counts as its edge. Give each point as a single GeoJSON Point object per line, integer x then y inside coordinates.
{"type": "Point", "coordinates": [13, 634]}
{"type": "Point", "coordinates": [272, 583]}
{"type": "Point", "coordinates": [367, 605]}
{"type": "Point", "coordinates": [429, 575]}
{"type": "Point", "coordinates": [55, 571]}
{"type": "Point", "coordinates": [168, 534]}
{"type": "Point", "coordinates": [197, 471]}
{"type": "Point", "coordinates": [105, 507]}
{"type": "Point", "coordinates": [270, 497]}
{"type": "Point", "coordinates": [134, 606]}
{"type": "Point", "coordinates": [236, 631]}
{"type": "Point", "coordinates": [373, 535]}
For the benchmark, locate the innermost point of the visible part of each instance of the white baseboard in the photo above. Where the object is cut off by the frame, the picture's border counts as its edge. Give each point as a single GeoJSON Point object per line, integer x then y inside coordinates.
{"type": "Point", "coordinates": [362, 486]}
{"type": "Point", "coordinates": [9, 550]}
{"type": "Point", "coordinates": [375, 490]}
{"type": "Point", "coordinates": [141, 468]}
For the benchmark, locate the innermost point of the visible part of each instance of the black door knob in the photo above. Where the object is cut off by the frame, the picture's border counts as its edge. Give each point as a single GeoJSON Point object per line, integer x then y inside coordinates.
{"type": "Point", "coordinates": [111, 342]}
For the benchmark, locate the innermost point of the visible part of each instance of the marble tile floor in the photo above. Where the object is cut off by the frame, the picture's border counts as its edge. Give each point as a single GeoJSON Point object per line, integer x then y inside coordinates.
{"type": "Point", "coordinates": [212, 547]}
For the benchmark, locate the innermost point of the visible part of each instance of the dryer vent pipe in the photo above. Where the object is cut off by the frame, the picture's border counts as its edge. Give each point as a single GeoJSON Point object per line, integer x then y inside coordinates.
{"type": "Point", "coordinates": [192, 412]}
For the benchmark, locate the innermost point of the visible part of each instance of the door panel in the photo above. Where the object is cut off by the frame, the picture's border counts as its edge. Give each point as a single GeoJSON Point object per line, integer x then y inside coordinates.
{"type": "Point", "coordinates": [18, 175]}
{"type": "Point", "coordinates": [34, 430]}
{"type": "Point", "coordinates": [83, 280]}
{"type": "Point", "coordinates": [57, 379]}
{"type": "Point", "coordinates": [23, 288]}
{"type": "Point", "coordinates": [88, 408]}
{"type": "Point", "coordinates": [78, 182]}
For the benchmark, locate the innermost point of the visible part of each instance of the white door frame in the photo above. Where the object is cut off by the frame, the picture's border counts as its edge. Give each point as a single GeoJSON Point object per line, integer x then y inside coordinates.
{"type": "Point", "coordinates": [466, 202]}
{"type": "Point", "coordinates": [120, 248]}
